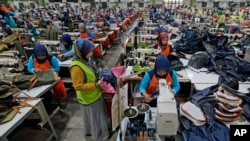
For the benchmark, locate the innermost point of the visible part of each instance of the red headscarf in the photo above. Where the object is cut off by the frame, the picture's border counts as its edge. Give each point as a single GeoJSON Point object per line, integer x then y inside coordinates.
{"type": "Point", "coordinates": [163, 36]}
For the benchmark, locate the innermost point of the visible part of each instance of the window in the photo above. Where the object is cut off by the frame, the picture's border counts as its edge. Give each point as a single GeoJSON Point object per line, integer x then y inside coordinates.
{"type": "Point", "coordinates": [21, 6]}
{"type": "Point", "coordinates": [72, 0]}
{"type": "Point", "coordinates": [242, 4]}
{"type": "Point", "coordinates": [32, 5]}
{"type": "Point", "coordinates": [104, 5]}
{"type": "Point", "coordinates": [129, 4]}
{"type": "Point", "coordinates": [55, 0]}
{"type": "Point", "coordinates": [173, 3]}
{"type": "Point", "coordinates": [141, 4]}
{"type": "Point", "coordinates": [57, 6]}
{"type": "Point", "coordinates": [158, 5]}
{"type": "Point", "coordinates": [204, 4]}
{"type": "Point", "coordinates": [216, 4]}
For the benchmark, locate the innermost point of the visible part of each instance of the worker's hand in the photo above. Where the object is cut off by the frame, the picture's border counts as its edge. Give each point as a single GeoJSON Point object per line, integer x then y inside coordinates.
{"type": "Point", "coordinates": [99, 82]}
{"type": "Point", "coordinates": [155, 42]}
{"type": "Point", "coordinates": [147, 97]}
{"type": "Point", "coordinates": [60, 55]}
{"type": "Point", "coordinates": [173, 53]}
{"type": "Point", "coordinates": [38, 70]}
{"type": "Point", "coordinates": [152, 58]}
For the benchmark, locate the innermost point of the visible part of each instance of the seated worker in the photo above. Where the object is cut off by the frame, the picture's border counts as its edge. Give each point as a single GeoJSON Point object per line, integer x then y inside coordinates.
{"type": "Point", "coordinates": [12, 10]}
{"type": "Point", "coordinates": [234, 30]}
{"type": "Point", "coordinates": [166, 49]}
{"type": "Point", "coordinates": [155, 43]}
{"type": "Point", "coordinates": [6, 31]}
{"type": "Point", "coordinates": [67, 47]}
{"type": "Point", "coordinates": [88, 22]}
{"type": "Point", "coordinates": [149, 85]}
{"type": "Point", "coordinates": [9, 20]}
{"type": "Point", "coordinates": [106, 26]}
{"type": "Point", "coordinates": [223, 26]}
{"type": "Point", "coordinates": [84, 33]}
{"type": "Point", "coordinates": [41, 60]}
{"type": "Point", "coordinates": [32, 29]}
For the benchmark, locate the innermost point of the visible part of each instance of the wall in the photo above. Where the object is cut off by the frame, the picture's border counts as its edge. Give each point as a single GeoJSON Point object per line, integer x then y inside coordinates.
{"type": "Point", "coordinates": [110, 4]}
{"type": "Point", "coordinates": [210, 4]}
{"type": "Point", "coordinates": [121, 4]}
{"type": "Point", "coordinates": [26, 3]}
{"type": "Point", "coordinates": [186, 2]}
{"type": "Point", "coordinates": [158, 2]}
{"type": "Point", "coordinates": [198, 4]}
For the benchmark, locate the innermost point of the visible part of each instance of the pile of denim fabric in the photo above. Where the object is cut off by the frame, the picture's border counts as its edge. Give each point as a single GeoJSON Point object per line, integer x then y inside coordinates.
{"type": "Point", "coordinates": [209, 112]}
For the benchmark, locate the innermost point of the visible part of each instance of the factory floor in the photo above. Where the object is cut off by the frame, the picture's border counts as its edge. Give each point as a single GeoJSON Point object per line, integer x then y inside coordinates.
{"type": "Point", "coordinates": [68, 123]}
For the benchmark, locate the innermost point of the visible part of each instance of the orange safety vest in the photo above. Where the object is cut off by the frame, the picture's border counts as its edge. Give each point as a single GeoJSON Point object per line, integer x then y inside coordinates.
{"type": "Point", "coordinates": [166, 51]}
{"type": "Point", "coordinates": [4, 8]}
{"type": "Point", "coordinates": [153, 85]}
{"type": "Point", "coordinates": [84, 35]}
{"type": "Point", "coordinates": [59, 88]}
{"type": "Point", "coordinates": [44, 66]}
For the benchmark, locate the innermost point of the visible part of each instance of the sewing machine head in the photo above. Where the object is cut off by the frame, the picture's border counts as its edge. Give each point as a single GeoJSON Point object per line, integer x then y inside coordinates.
{"type": "Point", "coordinates": [167, 117]}
{"type": "Point", "coordinates": [53, 47]}
{"type": "Point", "coordinates": [74, 35]}
{"type": "Point", "coordinates": [8, 62]}
{"type": "Point", "coordinates": [141, 54]}
{"type": "Point", "coordinates": [50, 43]}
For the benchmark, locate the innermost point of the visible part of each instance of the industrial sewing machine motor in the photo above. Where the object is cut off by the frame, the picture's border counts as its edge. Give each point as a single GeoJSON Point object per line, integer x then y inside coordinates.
{"type": "Point", "coordinates": [166, 117]}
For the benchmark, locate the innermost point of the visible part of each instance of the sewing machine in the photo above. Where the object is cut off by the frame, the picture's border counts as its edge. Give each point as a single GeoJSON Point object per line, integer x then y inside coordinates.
{"type": "Point", "coordinates": [9, 58]}
{"type": "Point", "coordinates": [9, 54]}
{"type": "Point", "coordinates": [167, 116]}
{"type": "Point", "coordinates": [52, 46]}
{"type": "Point", "coordinates": [9, 62]}
{"type": "Point", "coordinates": [49, 43]}
{"type": "Point", "coordinates": [140, 55]}
{"type": "Point", "coordinates": [74, 35]}
{"type": "Point", "coordinates": [42, 29]}
{"type": "Point", "coordinates": [19, 30]}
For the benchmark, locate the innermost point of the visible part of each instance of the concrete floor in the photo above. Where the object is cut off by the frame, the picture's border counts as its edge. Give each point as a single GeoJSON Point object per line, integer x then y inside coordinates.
{"type": "Point", "coordinates": [68, 124]}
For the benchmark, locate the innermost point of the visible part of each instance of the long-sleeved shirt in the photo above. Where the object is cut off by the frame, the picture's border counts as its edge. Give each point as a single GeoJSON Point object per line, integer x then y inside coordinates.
{"type": "Point", "coordinates": [77, 77]}
{"type": "Point", "coordinates": [67, 52]}
{"type": "Point", "coordinates": [91, 36]}
{"type": "Point", "coordinates": [54, 64]}
{"type": "Point", "coordinates": [146, 81]}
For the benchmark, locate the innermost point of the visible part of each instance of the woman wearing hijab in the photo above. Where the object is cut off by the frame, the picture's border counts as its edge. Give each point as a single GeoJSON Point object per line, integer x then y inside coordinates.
{"type": "Point", "coordinates": [84, 33]}
{"type": "Point", "coordinates": [149, 85]}
{"type": "Point", "coordinates": [88, 92]}
{"type": "Point", "coordinates": [157, 31]}
{"type": "Point", "coordinates": [67, 46]}
{"type": "Point", "coordinates": [166, 49]}
{"type": "Point", "coordinates": [42, 61]}
{"type": "Point", "coordinates": [6, 31]}
{"type": "Point", "coordinates": [9, 20]}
